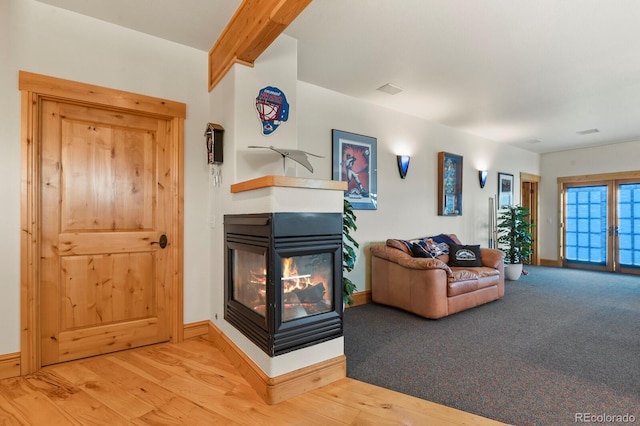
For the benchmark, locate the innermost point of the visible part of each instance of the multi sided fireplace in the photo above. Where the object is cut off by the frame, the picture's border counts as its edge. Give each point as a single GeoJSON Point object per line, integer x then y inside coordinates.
{"type": "Point", "coordinates": [283, 278]}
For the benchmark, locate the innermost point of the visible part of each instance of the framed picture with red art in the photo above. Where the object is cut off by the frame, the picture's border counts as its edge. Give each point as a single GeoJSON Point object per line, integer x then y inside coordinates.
{"type": "Point", "coordinates": [354, 161]}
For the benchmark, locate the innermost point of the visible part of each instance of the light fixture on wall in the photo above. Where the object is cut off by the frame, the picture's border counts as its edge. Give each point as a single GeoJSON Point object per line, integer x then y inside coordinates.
{"type": "Point", "coordinates": [482, 177]}
{"type": "Point", "coordinates": [403, 165]}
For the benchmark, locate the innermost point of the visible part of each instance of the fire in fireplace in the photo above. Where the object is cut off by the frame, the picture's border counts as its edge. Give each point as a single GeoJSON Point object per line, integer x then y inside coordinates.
{"type": "Point", "coordinates": [284, 278]}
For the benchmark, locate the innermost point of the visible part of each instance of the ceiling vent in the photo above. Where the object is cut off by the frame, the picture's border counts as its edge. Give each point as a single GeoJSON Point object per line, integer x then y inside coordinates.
{"type": "Point", "coordinates": [389, 88]}
{"type": "Point", "coordinates": [588, 131]}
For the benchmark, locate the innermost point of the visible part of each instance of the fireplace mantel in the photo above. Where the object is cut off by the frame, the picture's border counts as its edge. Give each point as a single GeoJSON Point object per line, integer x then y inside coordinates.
{"type": "Point", "coordinates": [288, 182]}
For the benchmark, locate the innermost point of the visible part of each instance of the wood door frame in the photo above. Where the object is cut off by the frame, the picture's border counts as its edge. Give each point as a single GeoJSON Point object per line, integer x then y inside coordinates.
{"type": "Point", "coordinates": [34, 88]}
{"type": "Point", "coordinates": [533, 182]}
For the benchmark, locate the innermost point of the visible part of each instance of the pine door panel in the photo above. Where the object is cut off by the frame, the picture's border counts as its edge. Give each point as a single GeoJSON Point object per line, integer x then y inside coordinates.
{"type": "Point", "coordinates": [104, 203]}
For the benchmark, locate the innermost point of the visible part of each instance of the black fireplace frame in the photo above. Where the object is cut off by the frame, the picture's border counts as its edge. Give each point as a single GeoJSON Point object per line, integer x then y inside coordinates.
{"type": "Point", "coordinates": [281, 235]}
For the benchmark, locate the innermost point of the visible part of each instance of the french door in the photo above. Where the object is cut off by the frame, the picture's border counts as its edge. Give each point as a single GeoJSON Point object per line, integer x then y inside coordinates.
{"type": "Point", "coordinates": [601, 225]}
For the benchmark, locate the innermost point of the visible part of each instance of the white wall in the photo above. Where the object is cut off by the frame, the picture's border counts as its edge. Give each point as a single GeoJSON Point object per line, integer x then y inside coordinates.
{"type": "Point", "coordinates": [407, 208]}
{"type": "Point", "coordinates": [588, 161]}
{"type": "Point", "coordinates": [43, 39]}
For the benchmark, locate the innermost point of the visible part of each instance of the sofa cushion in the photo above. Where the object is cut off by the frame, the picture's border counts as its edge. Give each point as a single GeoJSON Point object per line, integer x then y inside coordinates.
{"type": "Point", "coordinates": [464, 255]}
{"type": "Point", "coordinates": [465, 280]}
{"type": "Point", "coordinates": [455, 288]}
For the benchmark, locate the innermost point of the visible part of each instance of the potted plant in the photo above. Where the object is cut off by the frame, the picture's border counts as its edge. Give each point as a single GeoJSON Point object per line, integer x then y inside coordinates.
{"type": "Point", "coordinates": [514, 233]}
{"type": "Point", "coordinates": [349, 246]}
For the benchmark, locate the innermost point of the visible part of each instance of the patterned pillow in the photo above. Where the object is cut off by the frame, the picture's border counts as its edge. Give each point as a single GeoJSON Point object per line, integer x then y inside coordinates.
{"type": "Point", "coordinates": [437, 249]}
{"type": "Point", "coordinates": [425, 247]}
{"type": "Point", "coordinates": [460, 255]}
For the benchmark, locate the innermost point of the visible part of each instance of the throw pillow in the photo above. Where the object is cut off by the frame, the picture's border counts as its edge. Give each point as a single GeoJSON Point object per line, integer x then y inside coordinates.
{"type": "Point", "coordinates": [419, 251]}
{"type": "Point", "coordinates": [461, 255]}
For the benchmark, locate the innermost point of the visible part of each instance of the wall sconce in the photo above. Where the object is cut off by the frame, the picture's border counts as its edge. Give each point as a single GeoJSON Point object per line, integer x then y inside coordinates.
{"type": "Point", "coordinates": [403, 165]}
{"type": "Point", "coordinates": [482, 177]}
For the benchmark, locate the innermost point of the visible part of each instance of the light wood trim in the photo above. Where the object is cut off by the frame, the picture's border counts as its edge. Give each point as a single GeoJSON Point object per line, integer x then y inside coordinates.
{"type": "Point", "coordinates": [67, 89]}
{"type": "Point", "coordinates": [9, 365]}
{"type": "Point", "coordinates": [634, 174]}
{"type": "Point", "coordinates": [277, 389]}
{"type": "Point", "coordinates": [34, 87]}
{"type": "Point", "coordinates": [29, 242]}
{"type": "Point", "coordinates": [551, 262]}
{"type": "Point", "coordinates": [176, 309]}
{"type": "Point", "coordinates": [252, 28]}
{"type": "Point", "coordinates": [196, 329]}
{"type": "Point", "coordinates": [289, 182]}
{"type": "Point", "coordinates": [527, 177]}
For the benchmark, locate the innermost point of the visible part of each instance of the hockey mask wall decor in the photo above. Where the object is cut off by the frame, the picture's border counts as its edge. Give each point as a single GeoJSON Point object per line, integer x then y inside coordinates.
{"type": "Point", "coordinates": [272, 107]}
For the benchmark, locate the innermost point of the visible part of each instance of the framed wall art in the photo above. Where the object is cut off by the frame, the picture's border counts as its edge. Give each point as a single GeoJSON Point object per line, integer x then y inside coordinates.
{"type": "Point", "coordinates": [449, 184]}
{"type": "Point", "coordinates": [354, 161]}
{"type": "Point", "coordinates": [505, 190]}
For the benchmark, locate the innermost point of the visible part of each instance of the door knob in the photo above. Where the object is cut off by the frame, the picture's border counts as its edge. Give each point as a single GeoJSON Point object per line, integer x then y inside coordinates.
{"type": "Point", "coordinates": [162, 242]}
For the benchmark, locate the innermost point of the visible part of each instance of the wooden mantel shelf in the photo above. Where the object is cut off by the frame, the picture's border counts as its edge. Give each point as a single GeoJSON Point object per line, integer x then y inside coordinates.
{"type": "Point", "coordinates": [290, 182]}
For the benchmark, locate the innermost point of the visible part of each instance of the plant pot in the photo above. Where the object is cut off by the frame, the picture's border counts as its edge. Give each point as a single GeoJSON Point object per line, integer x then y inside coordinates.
{"type": "Point", "coordinates": [512, 271]}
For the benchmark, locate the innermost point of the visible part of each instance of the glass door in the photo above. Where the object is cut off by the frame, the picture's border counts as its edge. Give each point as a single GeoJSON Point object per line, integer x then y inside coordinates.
{"type": "Point", "coordinates": [602, 225]}
{"type": "Point", "coordinates": [586, 226]}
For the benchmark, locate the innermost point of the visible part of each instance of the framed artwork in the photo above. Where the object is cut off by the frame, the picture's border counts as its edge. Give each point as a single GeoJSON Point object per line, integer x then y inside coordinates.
{"type": "Point", "coordinates": [449, 184]}
{"type": "Point", "coordinates": [505, 190]}
{"type": "Point", "coordinates": [354, 161]}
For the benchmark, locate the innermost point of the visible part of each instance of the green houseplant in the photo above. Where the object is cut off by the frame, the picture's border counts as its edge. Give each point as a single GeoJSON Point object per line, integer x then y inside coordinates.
{"type": "Point", "coordinates": [514, 233]}
{"type": "Point", "coordinates": [349, 246]}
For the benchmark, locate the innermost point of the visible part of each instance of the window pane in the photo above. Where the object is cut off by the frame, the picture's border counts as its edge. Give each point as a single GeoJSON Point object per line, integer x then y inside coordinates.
{"type": "Point", "coordinates": [586, 224]}
{"type": "Point", "coordinates": [629, 224]}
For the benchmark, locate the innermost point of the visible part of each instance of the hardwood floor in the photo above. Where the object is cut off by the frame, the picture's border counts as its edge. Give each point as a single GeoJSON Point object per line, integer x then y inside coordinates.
{"type": "Point", "coordinates": [193, 383]}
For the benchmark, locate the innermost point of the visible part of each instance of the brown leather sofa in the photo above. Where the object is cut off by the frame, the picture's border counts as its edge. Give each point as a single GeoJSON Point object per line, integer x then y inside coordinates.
{"type": "Point", "coordinates": [428, 286]}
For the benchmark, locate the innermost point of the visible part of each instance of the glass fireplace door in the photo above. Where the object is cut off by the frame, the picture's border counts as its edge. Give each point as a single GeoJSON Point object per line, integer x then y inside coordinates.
{"type": "Point", "coordinates": [307, 285]}
{"type": "Point", "coordinates": [250, 280]}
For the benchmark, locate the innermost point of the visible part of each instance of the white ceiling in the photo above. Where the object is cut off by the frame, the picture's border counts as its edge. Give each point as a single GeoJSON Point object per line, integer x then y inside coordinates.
{"type": "Point", "coordinates": [531, 73]}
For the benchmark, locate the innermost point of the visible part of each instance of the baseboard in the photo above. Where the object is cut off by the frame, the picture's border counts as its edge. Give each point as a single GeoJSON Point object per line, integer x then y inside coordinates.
{"type": "Point", "coordinates": [361, 298]}
{"type": "Point", "coordinates": [196, 329]}
{"type": "Point", "coordinates": [281, 388]}
{"type": "Point", "coordinates": [551, 262]}
{"type": "Point", "coordinates": [10, 365]}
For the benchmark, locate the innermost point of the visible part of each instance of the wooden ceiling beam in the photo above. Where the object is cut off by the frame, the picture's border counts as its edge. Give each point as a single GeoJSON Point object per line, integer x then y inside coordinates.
{"type": "Point", "coordinates": [252, 28]}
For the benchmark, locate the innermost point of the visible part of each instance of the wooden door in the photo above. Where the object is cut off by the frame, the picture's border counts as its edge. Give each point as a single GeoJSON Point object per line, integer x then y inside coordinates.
{"type": "Point", "coordinates": [529, 194]}
{"type": "Point", "coordinates": [105, 269]}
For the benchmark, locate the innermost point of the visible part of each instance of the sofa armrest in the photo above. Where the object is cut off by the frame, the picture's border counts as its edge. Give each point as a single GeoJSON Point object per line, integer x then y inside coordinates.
{"type": "Point", "coordinates": [491, 258]}
{"type": "Point", "coordinates": [407, 261]}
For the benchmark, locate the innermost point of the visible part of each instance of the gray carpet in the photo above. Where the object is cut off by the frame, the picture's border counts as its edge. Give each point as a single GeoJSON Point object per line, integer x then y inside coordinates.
{"type": "Point", "coordinates": [560, 342]}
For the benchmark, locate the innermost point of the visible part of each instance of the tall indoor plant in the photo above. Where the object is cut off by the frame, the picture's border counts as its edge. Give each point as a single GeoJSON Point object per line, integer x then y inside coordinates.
{"type": "Point", "coordinates": [514, 233]}
{"type": "Point", "coordinates": [349, 246]}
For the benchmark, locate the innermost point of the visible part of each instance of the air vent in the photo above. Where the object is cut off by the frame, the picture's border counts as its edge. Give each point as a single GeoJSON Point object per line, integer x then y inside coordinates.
{"type": "Point", "coordinates": [389, 88]}
{"type": "Point", "coordinates": [588, 131]}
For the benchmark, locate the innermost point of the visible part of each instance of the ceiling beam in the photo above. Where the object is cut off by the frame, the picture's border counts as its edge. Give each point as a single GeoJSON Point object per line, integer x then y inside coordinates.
{"type": "Point", "coordinates": [254, 26]}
